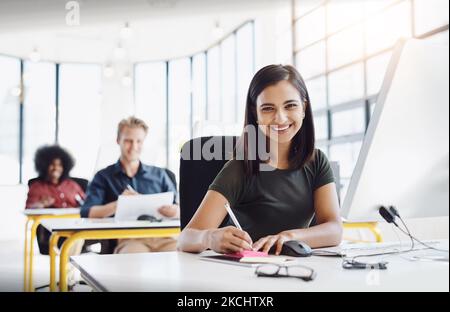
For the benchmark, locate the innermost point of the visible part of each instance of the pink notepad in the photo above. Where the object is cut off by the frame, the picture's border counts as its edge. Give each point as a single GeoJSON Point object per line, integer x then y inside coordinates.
{"type": "Point", "coordinates": [247, 253]}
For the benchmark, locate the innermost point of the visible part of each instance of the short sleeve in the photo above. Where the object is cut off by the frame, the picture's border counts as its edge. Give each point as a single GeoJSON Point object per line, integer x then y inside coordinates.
{"type": "Point", "coordinates": [230, 181]}
{"type": "Point", "coordinates": [323, 171]}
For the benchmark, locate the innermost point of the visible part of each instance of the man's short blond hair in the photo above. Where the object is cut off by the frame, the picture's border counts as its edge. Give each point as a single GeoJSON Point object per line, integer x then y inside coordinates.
{"type": "Point", "coordinates": [131, 122]}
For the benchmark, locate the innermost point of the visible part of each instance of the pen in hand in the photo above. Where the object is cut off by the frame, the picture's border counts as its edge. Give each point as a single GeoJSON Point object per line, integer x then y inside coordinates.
{"type": "Point", "coordinates": [130, 188]}
{"type": "Point", "coordinates": [233, 218]}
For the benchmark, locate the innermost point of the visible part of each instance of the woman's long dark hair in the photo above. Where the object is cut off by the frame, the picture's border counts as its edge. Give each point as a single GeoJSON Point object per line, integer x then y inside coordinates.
{"type": "Point", "coordinates": [302, 147]}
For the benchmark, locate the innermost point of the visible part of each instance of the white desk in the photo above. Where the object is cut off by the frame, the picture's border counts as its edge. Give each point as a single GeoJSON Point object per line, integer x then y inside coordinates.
{"type": "Point", "coordinates": [177, 271]}
{"type": "Point", "coordinates": [76, 229]}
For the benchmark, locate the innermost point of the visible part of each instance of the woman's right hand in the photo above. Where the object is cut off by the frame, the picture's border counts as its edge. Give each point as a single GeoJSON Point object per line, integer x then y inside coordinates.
{"type": "Point", "coordinates": [229, 240]}
{"type": "Point", "coordinates": [47, 201]}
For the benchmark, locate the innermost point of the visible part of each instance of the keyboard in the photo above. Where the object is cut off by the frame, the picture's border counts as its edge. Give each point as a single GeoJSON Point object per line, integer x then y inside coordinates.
{"type": "Point", "coordinates": [350, 249]}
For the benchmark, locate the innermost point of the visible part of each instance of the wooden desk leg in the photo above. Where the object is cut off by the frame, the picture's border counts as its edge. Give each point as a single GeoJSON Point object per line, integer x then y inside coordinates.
{"type": "Point", "coordinates": [26, 255]}
{"type": "Point", "coordinates": [53, 245]}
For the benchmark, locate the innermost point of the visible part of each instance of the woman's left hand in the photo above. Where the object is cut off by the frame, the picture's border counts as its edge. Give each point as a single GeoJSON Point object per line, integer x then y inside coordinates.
{"type": "Point", "coordinates": [265, 244]}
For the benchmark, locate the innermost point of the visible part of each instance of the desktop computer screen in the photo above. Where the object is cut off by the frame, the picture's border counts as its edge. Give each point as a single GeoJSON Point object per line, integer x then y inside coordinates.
{"type": "Point", "coordinates": [404, 159]}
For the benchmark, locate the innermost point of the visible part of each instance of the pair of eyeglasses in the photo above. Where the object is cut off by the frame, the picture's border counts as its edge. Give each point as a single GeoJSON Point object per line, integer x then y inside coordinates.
{"type": "Point", "coordinates": [275, 270]}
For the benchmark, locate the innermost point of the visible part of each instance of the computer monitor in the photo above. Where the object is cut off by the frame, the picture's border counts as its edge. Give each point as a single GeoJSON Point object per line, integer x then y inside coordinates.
{"type": "Point", "coordinates": [404, 159]}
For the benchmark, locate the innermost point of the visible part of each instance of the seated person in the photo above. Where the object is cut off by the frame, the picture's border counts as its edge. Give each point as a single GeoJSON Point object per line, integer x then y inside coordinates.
{"type": "Point", "coordinates": [109, 183]}
{"type": "Point", "coordinates": [275, 197]}
{"type": "Point", "coordinates": [53, 188]}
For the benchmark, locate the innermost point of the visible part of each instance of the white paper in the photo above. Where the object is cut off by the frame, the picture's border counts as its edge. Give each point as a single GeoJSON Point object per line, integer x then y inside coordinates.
{"type": "Point", "coordinates": [130, 207]}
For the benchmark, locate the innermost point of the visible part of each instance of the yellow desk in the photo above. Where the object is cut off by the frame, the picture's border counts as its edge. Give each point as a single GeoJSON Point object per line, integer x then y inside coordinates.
{"type": "Point", "coordinates": [75, 230]}
{"type": "Point", "coordinates": [371, 226]}
{"type": "Point", "coordinates": [33, 219]}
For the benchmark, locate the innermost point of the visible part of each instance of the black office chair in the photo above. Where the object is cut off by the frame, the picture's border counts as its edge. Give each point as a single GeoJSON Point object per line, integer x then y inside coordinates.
{"type": "Point", "coordinates": [42, 235]}
{"type": "Point", "coordinates": [196, 173]}
{"type": "Point", "coordinates": [203, 172]}
{"type": "Point", "coordinates": [172, 176]}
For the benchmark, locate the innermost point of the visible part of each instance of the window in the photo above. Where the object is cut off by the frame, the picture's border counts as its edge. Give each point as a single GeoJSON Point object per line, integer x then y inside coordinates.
{"type": "Point", "coordinates": [323, 147]}
{"type": "Point", "coordinates": [317, 91]}
{"type": "Point", "coordinates": [321, 126]}
{"type": "Point", "coordinates": [346, 84]}
{"type": "Point", "coordinates": [151, 106]}
{"type": "Point", "coordinates": [311, 61]}
{"type": "Point", "coordinates": [9, 120]}
{"type": "Point", "coordinates": [227, 80]}
{"type": "Point", "coordinates": [347, 155]}
{"type": "Point", "coordinates": [80, 117]}
{"type": "Point", "coordinates": [303, 7]}
{"type": "Point", "coordinates": [179, 109]}
{"type": "Point", "coordinates": [214, 92]}
{"type": "Point", "coordinates": [343, 49]}
{"type": "Point", "coordinates": [372, 108]}
{"type": "Point", "coordinates": [343, 13]}
{"type": "Point", "coordinates": [39, 111]}
{"type": "Point", "coordinates": [384, 29]}
{"type": "Point", "coordinates": [206, 91]}
{"type": "Point", "coordinates": [441, 37]}
{"type": "Point", "coordinates": [199, 88]}
{"type": "Point", "coordinates": [376, 70]}
{"type": "Point", "coordinates": [348, 122]}
{"type": "Point", "coordinates": [245, 65]}
{"type": "Point", "coordinates": [373, 7]}
{"type": "Point", "coordinates": [311, 28]}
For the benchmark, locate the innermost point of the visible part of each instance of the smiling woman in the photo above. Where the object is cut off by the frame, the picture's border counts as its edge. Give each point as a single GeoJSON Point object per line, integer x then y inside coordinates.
{"type": "Point", "coordinates": [278, 105]}
{"type": "Point", "coordinates": [53, 188]}
{"type": "Point", "coordinates": [274, 199]}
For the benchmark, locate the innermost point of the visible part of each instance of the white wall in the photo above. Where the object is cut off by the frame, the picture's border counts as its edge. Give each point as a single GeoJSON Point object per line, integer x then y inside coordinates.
{"type": "Point", "coordinates": [12, 221]}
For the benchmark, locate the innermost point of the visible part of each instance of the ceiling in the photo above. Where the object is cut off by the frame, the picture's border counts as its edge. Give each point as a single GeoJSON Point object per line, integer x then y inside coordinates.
{"type": "Point", "coordinates": [161, 29]}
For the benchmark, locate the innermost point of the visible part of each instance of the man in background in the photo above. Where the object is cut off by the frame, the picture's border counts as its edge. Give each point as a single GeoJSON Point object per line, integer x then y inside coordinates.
{"type": "Point", "coordinates": [129, 176]}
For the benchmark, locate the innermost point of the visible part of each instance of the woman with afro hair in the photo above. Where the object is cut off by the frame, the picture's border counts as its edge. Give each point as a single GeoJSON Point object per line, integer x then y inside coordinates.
{"type": "Point", "coordinates": [54, 188]}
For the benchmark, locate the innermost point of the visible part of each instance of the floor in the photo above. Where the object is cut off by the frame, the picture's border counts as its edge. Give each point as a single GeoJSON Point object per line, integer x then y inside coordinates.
{"type": "Point", "coordinates": [11, 269]}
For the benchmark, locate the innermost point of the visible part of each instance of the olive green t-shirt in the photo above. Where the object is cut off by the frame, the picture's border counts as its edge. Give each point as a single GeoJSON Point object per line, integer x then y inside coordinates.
{"type": "Point", "coordinates": [273, 201]}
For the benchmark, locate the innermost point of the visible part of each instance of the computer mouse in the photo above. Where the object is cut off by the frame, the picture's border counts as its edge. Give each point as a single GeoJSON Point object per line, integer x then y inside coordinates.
{"type": "Point", "coordinates": [146, 217]}
{"type": "Point", "coordinates": [294, 248]}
